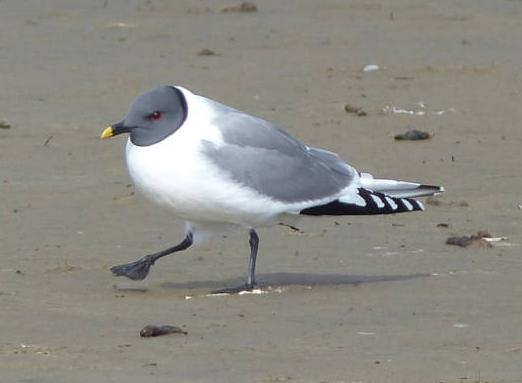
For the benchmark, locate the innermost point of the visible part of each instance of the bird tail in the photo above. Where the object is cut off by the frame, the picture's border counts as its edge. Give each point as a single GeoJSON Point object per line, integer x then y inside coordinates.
{"type": "Point", "coordinates": [399, 189]}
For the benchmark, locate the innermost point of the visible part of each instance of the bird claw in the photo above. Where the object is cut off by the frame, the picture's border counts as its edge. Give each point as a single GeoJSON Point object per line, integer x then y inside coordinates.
{"type": "Point", "coordinates": [137, 270]}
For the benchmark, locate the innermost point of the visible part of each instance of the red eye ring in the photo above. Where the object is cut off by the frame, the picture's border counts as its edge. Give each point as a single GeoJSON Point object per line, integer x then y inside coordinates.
{"type": "Point", "coordinates": [155, 115]}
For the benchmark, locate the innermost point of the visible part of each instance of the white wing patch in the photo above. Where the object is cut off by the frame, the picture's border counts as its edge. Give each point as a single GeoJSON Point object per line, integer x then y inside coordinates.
{"type": "Point", "coordinates": [378, 201]}
{"type": "Point", "coordinates": [392, 203]}
{"type": "Point", "coordinates": [407, 203]}
{"type": "Point", "coordinates": [353, 198]}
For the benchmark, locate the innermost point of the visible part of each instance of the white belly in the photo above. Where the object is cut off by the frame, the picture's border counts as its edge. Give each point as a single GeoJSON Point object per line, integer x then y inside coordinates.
{"type": "Point", "coordinates": [174, 174]}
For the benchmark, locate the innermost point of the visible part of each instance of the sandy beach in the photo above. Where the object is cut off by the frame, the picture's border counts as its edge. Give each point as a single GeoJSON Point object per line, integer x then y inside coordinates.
{"type": "Point", "coordinates": [349, 299]}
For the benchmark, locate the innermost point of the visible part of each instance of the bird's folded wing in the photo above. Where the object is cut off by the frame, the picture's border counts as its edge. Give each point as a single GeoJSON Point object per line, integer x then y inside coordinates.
{"type": "Point", "coordinates": [259, 155]}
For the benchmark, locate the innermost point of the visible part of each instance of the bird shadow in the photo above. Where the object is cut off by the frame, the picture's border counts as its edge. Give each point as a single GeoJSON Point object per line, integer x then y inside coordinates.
{"type": "Point", "coordinates": [295, 279]}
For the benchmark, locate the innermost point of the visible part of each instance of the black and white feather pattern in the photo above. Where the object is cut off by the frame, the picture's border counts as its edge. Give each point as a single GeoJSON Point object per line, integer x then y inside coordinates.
{"type": "Point", "coordinates": [374, 203]}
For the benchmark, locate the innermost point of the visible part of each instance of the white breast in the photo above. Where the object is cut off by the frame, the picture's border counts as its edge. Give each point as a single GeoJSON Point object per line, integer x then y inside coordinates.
{"type": "Point", "coordinates": [174, 173]}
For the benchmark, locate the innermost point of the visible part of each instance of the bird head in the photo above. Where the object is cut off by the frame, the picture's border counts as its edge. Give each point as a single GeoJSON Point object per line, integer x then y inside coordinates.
{"type": "Point", "coordinates": [152, 117]}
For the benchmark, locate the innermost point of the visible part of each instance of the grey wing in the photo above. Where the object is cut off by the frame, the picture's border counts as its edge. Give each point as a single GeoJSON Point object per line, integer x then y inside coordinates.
{"type": "Point", "coordinates": [263, 157]}
{"type": "Point", "coordinates": [242, 129]}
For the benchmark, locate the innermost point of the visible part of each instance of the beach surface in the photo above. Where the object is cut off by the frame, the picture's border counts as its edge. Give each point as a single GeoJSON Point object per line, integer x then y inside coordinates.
{"type": "Point", "coordinates": [348, 299]}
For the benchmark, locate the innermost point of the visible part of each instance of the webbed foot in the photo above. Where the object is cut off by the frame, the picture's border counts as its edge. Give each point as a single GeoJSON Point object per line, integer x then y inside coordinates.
{"type": "Point", "coordinates": [137, 270]}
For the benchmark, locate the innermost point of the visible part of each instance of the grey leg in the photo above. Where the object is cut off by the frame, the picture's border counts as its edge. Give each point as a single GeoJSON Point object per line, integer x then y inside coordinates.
{"type": "Point", "coordinates": [254, 243]}
{"type": "Point", "coordinates": [140, 269]}
{"type": "Point", "coordinates": [251, 280]}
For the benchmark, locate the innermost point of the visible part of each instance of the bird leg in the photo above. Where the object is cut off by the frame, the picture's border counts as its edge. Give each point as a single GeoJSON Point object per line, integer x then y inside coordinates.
{"type": "Point", "coordinates": [139, 269]}
{"type": "Point", "coordinates": [251, 280]}
{"type": "Point", "coordinates": [254, 243]}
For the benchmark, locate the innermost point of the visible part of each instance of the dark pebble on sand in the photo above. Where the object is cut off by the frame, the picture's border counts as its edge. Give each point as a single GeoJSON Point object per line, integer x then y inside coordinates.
{"type": "Point", "coordinates": [475, 239]}
{"type": "Point", "coordinates": [413, 135]}
{"type": "Point", "coordinates": [207, 52]}
{"type": "Point", "coordinates": [463, 241]}
{"type": "Point", "coordinates": [355, 110]}
{"type": "Point", "coordinates": [151, 330]}
{"type": "Point", "coordinates": [244, 7]}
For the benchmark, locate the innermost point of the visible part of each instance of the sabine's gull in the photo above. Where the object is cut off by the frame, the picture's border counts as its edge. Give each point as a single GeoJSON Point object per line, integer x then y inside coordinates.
{"type": "Point", "coordinates": [218, 168]}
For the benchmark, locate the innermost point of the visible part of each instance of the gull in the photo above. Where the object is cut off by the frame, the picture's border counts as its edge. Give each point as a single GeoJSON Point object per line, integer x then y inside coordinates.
{"type": "Point", "coordinates": [218, 168]}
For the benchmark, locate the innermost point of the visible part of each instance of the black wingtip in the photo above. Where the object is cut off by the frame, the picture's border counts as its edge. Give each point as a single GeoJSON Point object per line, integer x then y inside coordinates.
{"type": "Point", "coordinates": [374, 203]}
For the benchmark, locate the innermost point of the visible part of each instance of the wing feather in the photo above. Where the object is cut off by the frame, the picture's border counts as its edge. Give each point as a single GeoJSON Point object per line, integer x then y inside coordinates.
{"type": "Point", "coordinates": [261, 156]}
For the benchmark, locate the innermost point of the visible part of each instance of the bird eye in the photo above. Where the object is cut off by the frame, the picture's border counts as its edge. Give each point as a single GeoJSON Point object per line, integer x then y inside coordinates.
{"type": "Point", "coordinates": [154, 116]}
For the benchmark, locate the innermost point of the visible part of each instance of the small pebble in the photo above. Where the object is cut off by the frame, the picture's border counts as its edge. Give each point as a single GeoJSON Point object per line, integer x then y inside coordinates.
{"type": "Point", "coordinates": [475, 239]}
{"type": "Point", "coordinates": [151, 330]}
{"type": "Point", "coordinates": [413, 135]}
{"type": "Point", "coordinates": [207, 52]}
{"type": "Point", "coordinates": [355, 109]}
{"type": "Point", "coordinates": [244, 7]}
{"type": "Point", "coordinates": [463, 241]}
{"type": "Point", "coordinates": [371, 68]}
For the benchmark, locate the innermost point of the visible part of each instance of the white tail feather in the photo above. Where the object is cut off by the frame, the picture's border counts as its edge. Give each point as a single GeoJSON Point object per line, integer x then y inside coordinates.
{"type": "Point", "coordinates": [399, 189]}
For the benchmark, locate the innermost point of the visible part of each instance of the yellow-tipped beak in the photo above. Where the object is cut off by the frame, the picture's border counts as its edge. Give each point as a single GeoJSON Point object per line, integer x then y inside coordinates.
{"type": "Point", "coordinates": [107, 132]}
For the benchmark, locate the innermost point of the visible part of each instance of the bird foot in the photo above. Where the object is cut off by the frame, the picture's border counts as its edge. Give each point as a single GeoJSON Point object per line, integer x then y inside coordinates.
{"type": "Point", "coordinates": [137, 270]}
{"type": "Point", "coordinates": [235, 290]}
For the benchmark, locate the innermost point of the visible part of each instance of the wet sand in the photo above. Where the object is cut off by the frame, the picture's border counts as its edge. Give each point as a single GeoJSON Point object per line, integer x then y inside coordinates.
{"type": "Point", "coordinates": [353, 299]}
